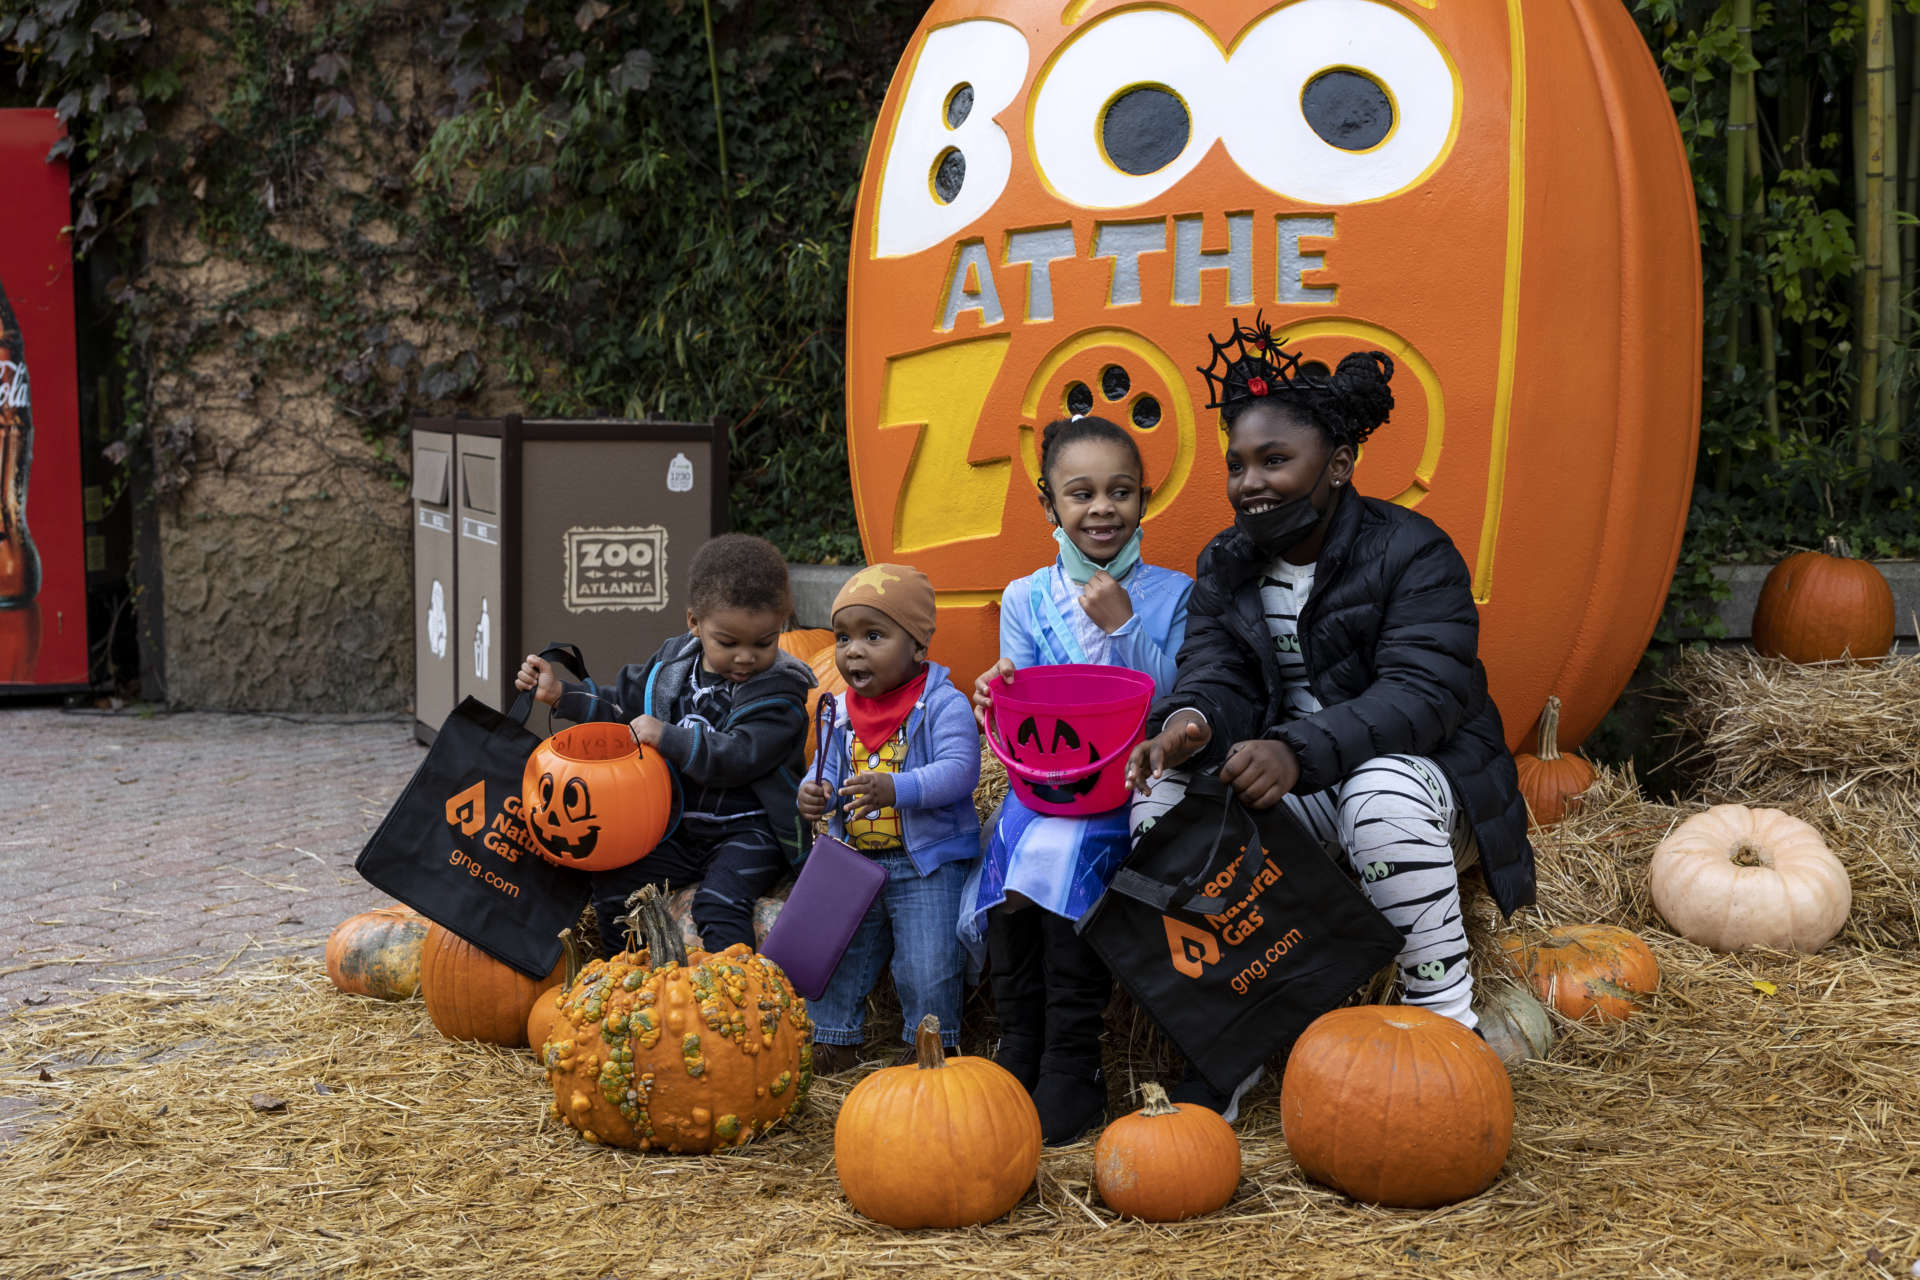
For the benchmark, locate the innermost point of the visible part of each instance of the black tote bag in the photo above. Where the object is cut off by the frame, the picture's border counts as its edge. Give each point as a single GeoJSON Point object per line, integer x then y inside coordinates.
{"type": "Point", "coordinates": [454, 846]}
{"type": "Point", "coordinates": [1234, 930]}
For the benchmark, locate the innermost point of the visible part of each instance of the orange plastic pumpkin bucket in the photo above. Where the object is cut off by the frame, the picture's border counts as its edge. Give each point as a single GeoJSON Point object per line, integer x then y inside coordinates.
{"type": "Point", "coordinates": [595, 799]}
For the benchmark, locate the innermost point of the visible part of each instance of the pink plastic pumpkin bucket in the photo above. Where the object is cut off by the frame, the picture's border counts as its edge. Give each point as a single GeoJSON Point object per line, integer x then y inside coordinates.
{"type": "Point", "coordinates": [1064, 734]}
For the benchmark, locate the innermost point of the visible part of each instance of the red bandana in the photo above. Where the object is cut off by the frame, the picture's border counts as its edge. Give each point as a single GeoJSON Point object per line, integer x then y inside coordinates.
{"type": "Point", "coordinates": [875, 720]}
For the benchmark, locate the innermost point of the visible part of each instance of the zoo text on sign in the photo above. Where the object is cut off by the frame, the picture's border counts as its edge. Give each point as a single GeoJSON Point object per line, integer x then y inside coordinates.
{"type": "Point", "coordinates": [616, 568]}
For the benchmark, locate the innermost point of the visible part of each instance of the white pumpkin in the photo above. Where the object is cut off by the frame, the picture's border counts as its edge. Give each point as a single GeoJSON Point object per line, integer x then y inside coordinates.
{"type": "Point", "coordinates": [1735, 877]}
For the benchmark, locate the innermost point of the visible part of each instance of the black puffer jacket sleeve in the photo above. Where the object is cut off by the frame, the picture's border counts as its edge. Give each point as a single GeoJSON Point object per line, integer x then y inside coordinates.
{"type": "Point", "coordinates": [1423, 662]}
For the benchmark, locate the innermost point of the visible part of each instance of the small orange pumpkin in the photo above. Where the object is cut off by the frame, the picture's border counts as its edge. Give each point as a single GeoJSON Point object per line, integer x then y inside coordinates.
{"type": "Point", "coordinates": [1166, 1162]}
{"type": "Point", "coordinates": [1585, 968]}
{"type": "Point", "coordinates": [594, 798]}
{"type": "Point", "coordinates": [472, 996]}
{"type": "Point", "coordinates": [1551, 782]}
{"type": "Point", "coordinates": [804, 642]}
{"type": "Point", "coordinates": [1396, 1105]}
{"type": "Point", "coordinates": [377, 953]}
{"type": "Point", "coordinates": [1820, 605]}
{"type": "Point", "coordinates": [949, 1142]}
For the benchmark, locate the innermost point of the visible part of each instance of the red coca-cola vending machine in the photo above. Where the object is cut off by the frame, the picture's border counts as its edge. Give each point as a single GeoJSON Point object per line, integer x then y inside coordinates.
{"type": "Point", "coordinates": [43, 588]}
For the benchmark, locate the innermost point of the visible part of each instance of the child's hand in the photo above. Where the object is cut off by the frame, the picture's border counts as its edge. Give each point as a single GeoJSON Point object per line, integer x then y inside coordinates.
{"type": "Point", "coordinates": [1106, 602]}
{"type": "Point", "coordinates": [867, 793]}
{"type": "Point", "coordinates": [1261, 771]}
{"type": "Point", "coordinates": [646, 730]}
{"type": "Point", "coordinates": [815, 799]}
{"type": "Point", "coordinates": [536, 673]}
{"type": "Point", "coordinates": [1184, 735]}
{"type": "Point", "coordinates": [982, 699]}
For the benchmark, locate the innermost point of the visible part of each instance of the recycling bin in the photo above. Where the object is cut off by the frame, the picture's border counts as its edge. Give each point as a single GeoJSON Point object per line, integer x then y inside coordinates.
{"type": "Point", "coordinates": [570, 530]}
{"type": "Point", "coordinates": [433, 657]}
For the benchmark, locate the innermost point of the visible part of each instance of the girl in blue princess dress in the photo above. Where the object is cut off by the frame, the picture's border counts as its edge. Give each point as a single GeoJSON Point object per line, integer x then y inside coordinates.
{"type": "Point", "coordinates": [1099, 603]}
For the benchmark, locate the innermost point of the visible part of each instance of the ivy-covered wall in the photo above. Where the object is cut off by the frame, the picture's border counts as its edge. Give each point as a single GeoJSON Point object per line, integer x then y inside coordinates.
{"type": "Point", "coordinates": [337, 213]}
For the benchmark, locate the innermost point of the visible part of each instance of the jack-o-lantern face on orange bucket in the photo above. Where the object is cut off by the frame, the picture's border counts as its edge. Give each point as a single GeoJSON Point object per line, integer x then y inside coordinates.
{"type": "Point", "coordinates": [595, 799]}
{"type": "Point", "coordinates": [1063, 198]}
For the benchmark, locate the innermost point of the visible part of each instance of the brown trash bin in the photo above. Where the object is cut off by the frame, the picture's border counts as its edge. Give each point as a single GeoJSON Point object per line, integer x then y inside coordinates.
{"type": "Point", "coordinates": [562, 530]}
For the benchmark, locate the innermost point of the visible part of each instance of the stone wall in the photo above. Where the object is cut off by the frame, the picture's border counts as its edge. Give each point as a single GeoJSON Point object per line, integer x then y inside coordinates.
{"type": "Point", "coordinates": [284, 541]}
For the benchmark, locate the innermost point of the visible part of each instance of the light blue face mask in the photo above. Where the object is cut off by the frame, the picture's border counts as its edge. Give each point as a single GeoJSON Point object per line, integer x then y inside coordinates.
{"type": "Point", "coordinates": [1081, 570]}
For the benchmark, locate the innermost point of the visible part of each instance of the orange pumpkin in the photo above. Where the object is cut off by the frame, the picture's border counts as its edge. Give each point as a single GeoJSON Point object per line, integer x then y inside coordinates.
{"type": "Point", "coordinates": [1582, 969]}
{"type": "Point", "coordinates": [377, 953]}
{"type": "Point", "coordinates": [670, 1049]}
{"type": "Point", "coordinates": [1166, 1162]}
{"type": "Point", "coordinates": [1551, 782]}
{"type": "Point", "coordinates": [804, 642]}
{"type": "Point", "coordinates": [595, 799]}
{"type": "Point", "coordinates": [1396, 1105]}
{"type": "Point", "coordinates": [472, 996]}
{"type": "Point", "coordinates": [946, 1142]}
{"type": "Point", "coordinates": [1061, 201]}
{"type": "Point", "coordinates": [1820, 605]}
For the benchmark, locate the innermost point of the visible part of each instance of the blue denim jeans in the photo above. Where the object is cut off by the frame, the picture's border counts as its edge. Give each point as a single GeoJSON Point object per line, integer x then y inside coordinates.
{"type": "Point", "coordinates": [912, 923]}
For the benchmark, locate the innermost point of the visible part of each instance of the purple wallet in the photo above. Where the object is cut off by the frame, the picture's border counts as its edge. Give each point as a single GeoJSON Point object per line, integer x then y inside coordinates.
{"type": "Point", "coordinates": [835, 888]}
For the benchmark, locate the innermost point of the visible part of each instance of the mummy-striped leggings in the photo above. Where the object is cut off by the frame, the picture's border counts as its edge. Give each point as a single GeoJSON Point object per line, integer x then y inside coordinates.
{"type": "Point", "coordinates": [1394, 820]}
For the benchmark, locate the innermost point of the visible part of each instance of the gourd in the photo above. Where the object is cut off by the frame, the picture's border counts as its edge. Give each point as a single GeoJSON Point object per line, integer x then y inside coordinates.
{"type": "Point", "coordinates": [1583, 969]}
{"type": "Point", "coordinates": [1735, 877]}
{"type": "Point", "coordinates": [472, 996]}
{"type": "Point", "coordinates": [943, 1142]}
{"type": "Point", "coordinates": [670, 1049]}
{"type": "Point", "coordinates": [377, 953]}
{"type": "Point", "coordinates": [1551, 782]}
{"type": "Point", "coordinates": [1514, 1022]}
{"type": "Point", "coordinates": [545, 1009]}
{"type": "Point", "coordinates": [1166, 1162]}
{"type": "Point", "coordinates": [1820, 605]}
{"type": "Point", "coordinates": [1396, 1105]}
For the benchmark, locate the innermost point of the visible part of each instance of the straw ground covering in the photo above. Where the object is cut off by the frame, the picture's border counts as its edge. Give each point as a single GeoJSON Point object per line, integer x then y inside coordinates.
{"type": "Point", "coordinates": [1759, 1118]}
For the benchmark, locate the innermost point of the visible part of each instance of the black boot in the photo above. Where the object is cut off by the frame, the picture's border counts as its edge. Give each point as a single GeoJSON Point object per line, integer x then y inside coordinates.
{"type": "Point", "coordinates": [1017, 976]}
{"type": "Point", "coordinates": [1072, 1094]}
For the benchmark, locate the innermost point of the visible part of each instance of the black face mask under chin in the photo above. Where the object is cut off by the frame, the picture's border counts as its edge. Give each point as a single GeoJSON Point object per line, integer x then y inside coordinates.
{"type": "Point", "coordinates": [1280, 528]}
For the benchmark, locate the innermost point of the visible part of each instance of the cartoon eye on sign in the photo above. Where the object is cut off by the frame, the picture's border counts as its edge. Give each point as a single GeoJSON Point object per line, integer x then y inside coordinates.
{"type": "Point", "coordinates": [1063, 199]}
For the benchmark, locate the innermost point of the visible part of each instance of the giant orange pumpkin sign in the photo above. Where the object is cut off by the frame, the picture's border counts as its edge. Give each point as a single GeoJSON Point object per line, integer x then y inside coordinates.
{"type": "Point", "coordinates": [1062, 199]}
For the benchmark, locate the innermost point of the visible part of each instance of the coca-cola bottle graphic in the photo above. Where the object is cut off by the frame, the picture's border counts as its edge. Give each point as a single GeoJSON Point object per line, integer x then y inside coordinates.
{"type": "Point", "coordinates": [19, 562]}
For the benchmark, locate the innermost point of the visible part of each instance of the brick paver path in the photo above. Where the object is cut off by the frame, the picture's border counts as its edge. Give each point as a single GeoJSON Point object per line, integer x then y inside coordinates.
{"type": "Point", "coordinates": [136, 845]}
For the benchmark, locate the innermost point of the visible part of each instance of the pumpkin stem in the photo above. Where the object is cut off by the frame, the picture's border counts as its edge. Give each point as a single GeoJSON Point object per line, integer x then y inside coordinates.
{"type": "Point", "coordinates": [1745, 855]}
{"type": "Point", "coordinates": [570, 949]}
{"type": "Point", "coordinates": [1837, 546]}
{"type": "Point", "coordinates": [651, 929]}
{"type": "Point", "coordinates": [1158, 1104]}
{"type": "Point", "coordinates": [1549, 744]}
{"type": "Point", "coordinates": [926, 1042]}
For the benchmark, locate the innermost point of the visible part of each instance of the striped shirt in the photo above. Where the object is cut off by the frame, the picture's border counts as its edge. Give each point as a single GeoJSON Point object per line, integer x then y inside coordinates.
{"type": "Point", "coordinates": [1284, 589]}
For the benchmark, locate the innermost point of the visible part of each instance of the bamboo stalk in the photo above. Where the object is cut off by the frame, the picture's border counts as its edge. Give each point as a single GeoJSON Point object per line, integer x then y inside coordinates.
{"type": "Point", "coordinates": [1872, 231]}
{"type": "Point", "coordinates": [1887, 424]}
{"type": "Point", "coordinates": [1769, 351]}
{"type": "Point", "coordinates": [1739, 129]}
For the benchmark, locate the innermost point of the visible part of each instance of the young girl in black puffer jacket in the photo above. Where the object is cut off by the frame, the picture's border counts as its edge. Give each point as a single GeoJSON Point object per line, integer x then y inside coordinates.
{"type": "Point", "coordinates": [1331, 664]}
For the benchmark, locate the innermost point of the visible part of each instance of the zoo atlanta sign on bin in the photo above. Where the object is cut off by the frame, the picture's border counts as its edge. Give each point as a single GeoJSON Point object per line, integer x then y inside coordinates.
{"type": "Point", "coordinates": [1063, 199]}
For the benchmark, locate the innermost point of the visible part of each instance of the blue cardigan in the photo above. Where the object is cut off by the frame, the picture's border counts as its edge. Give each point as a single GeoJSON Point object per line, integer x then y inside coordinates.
{"type": "Point", "coordinates": [1033, 632]}
{"type": "Point", "coordinates": [934, 789]}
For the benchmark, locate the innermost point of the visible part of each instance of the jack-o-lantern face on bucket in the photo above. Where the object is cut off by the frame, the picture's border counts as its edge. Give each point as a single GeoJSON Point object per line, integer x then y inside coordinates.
{"type": "Point", "coordinates": [1063, 198]}
{"type": "Point", "coordinates": [594, 799]}
{"type": "Point", "coordinates": [563, 818]}
{"type": "Point", "coordinates": [1065, 752]}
